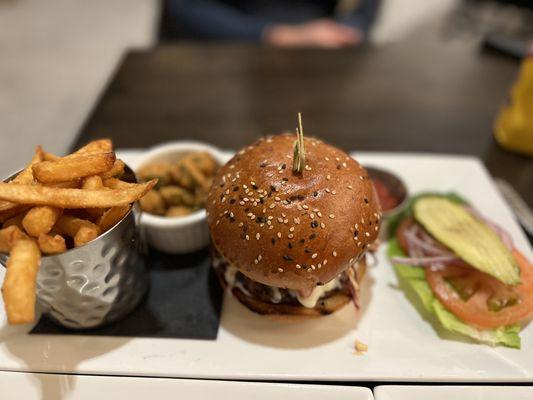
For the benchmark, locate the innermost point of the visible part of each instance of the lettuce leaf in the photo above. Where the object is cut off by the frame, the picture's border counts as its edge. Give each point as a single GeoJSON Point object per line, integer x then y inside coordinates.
{"type": "Point", "coordinates": [416, 279]}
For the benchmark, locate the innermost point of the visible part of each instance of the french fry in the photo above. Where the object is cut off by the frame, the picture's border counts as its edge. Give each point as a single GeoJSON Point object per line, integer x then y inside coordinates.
{"type": "Point", "coordinates": [110, 217]}
{"type": "Point", "coordinates": [96, 146]}
{"type": "Point", "coordinates": [19, 284]}
{"type": "Point", "coordinates": [115, 183]}
{"type": "Point", "coordinates": [116, 170]}
{"type": "Point", "coordinates": [70, 225]}
{"type": "Point", "coordinates": [8, 209]}
{"type": "Point", "coordinates": [85, 234]}
{"type": "Point", "coordinates": [49, 156]}
{"type": "Point", "coordinates": [9, 236]}
{"type": "Point", "coordinates": [74, 198]}
{"type": "Point", "coordinates": [51, 244]}
{"type": "Point", "coordinates": [92, 182]}
{"type": "Point", "coordinates": [67, 185]}
{"type": "Point", "coordinates": [40, 220]}
{"type": "Point", "coordinates": [73, 167]}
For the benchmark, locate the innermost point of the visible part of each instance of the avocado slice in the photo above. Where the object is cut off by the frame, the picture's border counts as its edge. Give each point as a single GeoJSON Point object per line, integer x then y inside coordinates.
{"type": "Point", "coordinates": [468, 237]}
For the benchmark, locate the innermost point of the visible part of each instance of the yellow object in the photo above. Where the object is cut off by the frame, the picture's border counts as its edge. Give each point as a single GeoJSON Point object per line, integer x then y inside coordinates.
{"type": "Point", "coordinates": [514, 126]}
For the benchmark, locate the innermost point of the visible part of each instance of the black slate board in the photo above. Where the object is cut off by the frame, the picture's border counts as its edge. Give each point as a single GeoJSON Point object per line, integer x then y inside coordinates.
{"type": "Point", "coordinates": [184, 301]}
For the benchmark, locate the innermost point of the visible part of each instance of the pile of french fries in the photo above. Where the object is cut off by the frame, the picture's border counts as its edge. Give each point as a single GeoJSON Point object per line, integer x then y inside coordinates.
{"type": "Point", "coordinates": [55, 204]}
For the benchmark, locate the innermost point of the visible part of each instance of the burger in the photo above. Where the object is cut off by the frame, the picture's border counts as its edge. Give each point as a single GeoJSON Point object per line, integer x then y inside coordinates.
{"type": "Point", "coordinates": [291, 222]}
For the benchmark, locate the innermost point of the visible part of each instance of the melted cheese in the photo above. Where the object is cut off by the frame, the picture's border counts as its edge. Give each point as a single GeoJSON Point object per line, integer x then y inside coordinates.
{"type": "Point", "coordinates": [309, 302]}
{"type": "Point", "coordinates": [317, 293]}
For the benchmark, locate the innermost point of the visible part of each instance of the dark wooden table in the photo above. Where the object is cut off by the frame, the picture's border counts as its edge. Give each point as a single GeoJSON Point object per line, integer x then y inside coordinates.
{"type": "Point", "coordinates": [435, 96]}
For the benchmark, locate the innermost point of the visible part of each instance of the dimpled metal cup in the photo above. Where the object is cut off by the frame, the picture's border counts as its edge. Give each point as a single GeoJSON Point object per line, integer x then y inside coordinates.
{"type": "Point", "coordinates": [97, 283]}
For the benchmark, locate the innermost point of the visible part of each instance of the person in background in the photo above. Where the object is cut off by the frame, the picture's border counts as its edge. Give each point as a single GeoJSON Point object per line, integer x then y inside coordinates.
{"type": "Point", "coordinates": [282, 23]}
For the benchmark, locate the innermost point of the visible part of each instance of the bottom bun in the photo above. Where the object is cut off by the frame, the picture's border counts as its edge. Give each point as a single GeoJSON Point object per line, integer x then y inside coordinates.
{"type": "Point", "coordinates": [257, 297]}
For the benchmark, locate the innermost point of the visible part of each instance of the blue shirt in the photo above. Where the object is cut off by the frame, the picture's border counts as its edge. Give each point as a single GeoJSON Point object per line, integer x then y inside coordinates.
{"type": "Point", "coordinates": [247, 19]}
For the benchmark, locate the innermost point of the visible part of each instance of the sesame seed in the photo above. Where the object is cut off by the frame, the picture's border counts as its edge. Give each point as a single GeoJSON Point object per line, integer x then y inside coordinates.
{"type": "Point", "coordinates": [313, 267]}
{"type": "Point", "coordinates": [322, 225]}
{"type": "Point", "coordinates": [331, 216]}
{"type": "Point", "coordinates": [344, 164]}
{"type": "Point", "coordinates": [291, 229]}
{"type": "Point", "coordinates": [270, 217]}
{"type": "Point", "coordinates": [350, 187]}
{"type": "Point", "coordinates": [376, 228]}
{"type": "Point", "coordinates": [328, 177]}
{"type": "Point", "coordinates": [280, 269]}
{"type": "Point", "coordinates": [218, 222]}
{"type": "Point", "coordinates": [358, 243]}
{"type": "Point", "coordinates": [298, 266]}
{"type": "Point", "coordinates": [259, 257]}
{"type": "Point", "coordinates": [241, 224]}
{"type": "Point", "coordinates": [271, 227]}
{"type": "Point", "coordinates": [297, 221]}
{"type": "Point", "coordinates": [307, 168]}
{"type": "Point", "coordinates": [319, 214]}
{"type": "Point", "coordinates": [279, 234]}
{"type": "Point", "coordinates": [367, 234]}
{"type": "Point", "coordinates": [290, 236]}
{"type": "Point", "coordinates": [277, 198]}
{"type": "Point", "coordinates": [328, 191]}
{"type": "Point", "coordinates": [333, 192]}
{"type": "Point", "coordinates": [223, 199]}
{"type": "Point", "coordinates": [245, 187]}
{"type": "Point", "coordinates": [241, 203]}
{"type": "Point", "coordinates": [319, 266]}
{"type": "Point", "coordinates": [256, 261]}
{"type": "Point", "coordinates": [247, 237]}
{"type": "Point", "coordinates": [298, 207]}
{"type": "Point", "coordinates": [272, 206]}
{"type": "Point", "coordinates": [312, 216]}
{"type": "Point", "coordinates": [361, 177]}
{"type": "Point", "coordinates": [214, 202]}
{"type": "Point", "coordinates": [280, 220]}
{"type": "Point", "coordinates": [334, 253]}
{"type": "Point", "coordinates": [257, 236]}
{"type": "Point", "coordinates": [315, 255]}
{"type": "Point", "coordinates": [325, 262]}
{"type": "Point", "coordinates": [305, 207]}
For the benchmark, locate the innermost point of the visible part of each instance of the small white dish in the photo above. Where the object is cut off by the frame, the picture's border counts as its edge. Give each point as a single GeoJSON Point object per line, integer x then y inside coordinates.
{"type": "Point", "coordinates": [438, 392]}
{"type": "Point", "coordinates": [176, 235]}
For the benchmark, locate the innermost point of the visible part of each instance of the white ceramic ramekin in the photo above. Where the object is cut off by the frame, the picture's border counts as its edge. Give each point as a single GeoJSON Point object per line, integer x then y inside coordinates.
{"type": "Point", "coordinates": [177, 235]}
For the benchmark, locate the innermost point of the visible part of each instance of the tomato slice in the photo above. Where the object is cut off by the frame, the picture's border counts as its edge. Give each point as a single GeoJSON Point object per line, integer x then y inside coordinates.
{"type": "Point", "coordinates": [475, 297]}
{"type": "Point", "coordinates": [480, 299]}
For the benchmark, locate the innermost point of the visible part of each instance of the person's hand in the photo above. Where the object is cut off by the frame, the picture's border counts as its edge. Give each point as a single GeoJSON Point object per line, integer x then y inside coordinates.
{"type": "Point", "coordinates": [320, 33]}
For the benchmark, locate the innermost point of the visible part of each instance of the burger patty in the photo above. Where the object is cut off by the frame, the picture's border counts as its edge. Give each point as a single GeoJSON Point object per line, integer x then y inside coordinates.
{"type": "Point", "coordinates": [269, 294]}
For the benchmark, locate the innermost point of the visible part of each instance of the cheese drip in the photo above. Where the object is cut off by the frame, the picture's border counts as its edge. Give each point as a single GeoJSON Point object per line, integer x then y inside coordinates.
{"type": "Point", "coordinates": [309, 302]}
{"type": "Point", "coordinates": [317, 293]}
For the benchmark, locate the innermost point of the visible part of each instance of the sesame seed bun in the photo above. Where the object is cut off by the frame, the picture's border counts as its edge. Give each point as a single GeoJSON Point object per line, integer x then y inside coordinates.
{"type": "Point", "coordinates": [292, 230]}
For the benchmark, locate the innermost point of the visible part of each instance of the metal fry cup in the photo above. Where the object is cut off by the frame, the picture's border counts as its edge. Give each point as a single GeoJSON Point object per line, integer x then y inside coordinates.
{"type": "Point", "coordinates": [97, 283]}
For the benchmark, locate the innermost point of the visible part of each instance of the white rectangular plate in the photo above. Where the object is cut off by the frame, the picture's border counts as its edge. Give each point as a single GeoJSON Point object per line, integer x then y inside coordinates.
{"type": "Point", "coordinates": [402, 345]}
{"type": "Point", "coordinates": [453, 392]}
{"type": "Point", "coordinates": [26, 386]}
